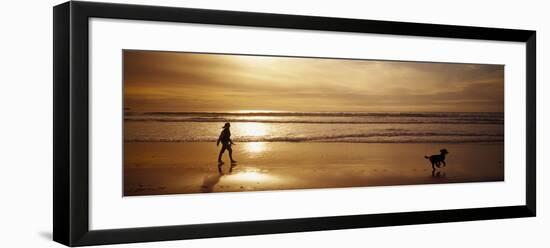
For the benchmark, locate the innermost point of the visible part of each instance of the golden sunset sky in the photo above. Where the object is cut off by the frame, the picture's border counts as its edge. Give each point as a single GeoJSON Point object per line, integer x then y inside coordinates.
{"type": "Point", "coordinates": [172, 81]}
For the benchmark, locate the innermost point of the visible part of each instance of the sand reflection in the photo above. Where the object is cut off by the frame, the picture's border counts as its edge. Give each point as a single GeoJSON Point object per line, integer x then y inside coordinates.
{"type": "Point", "coordinates": [255, 147]}
{"type": "Point", "coordinates": [249, 178]}
{"type": "Point", "coordinates": [251, 175]}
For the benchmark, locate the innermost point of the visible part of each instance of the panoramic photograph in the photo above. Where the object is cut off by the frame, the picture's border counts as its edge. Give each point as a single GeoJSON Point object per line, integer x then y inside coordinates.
{"type": "Point", "coordinates": [206, 123]}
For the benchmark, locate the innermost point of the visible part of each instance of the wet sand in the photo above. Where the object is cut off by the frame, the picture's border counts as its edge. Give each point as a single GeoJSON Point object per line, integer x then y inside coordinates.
{"type": "Point", "coordinates": [152, 168]}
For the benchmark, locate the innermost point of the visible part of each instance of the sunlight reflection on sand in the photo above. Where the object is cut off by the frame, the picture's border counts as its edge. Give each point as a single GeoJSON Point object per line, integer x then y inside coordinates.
{"type": "Point", "coordinates": [255, 147]}
{"type": "Point", "coordinates": [250, 175]}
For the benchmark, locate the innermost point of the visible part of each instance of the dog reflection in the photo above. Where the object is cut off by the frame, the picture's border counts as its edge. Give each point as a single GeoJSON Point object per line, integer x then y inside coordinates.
{"type": "Point", "coordinates": [438, 174]}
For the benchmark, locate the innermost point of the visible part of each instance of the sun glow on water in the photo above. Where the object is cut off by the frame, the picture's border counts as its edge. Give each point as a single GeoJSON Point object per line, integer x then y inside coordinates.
{"type": "Point", "coordinates": [252, 129]}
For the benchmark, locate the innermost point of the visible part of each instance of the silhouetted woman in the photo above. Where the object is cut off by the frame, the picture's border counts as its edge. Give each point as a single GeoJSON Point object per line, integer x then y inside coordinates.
{"type": "Point", "coordinates": [225, 139]}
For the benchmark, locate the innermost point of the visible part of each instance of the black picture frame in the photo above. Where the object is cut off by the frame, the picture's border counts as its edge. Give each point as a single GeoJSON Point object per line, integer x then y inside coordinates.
{"type": "Point", "coordinates": [71, 123]}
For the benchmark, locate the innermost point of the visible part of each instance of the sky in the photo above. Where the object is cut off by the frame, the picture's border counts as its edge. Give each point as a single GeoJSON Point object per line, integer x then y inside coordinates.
{"type": "Point", "coordinates": [187, 82]}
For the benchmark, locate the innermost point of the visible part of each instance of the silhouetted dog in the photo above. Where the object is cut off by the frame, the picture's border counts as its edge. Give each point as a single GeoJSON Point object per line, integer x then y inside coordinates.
{"type": "Point", "coordinates": [436, 160]}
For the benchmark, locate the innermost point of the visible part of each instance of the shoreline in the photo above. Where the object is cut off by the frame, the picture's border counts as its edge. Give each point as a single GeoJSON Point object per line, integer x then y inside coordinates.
{"type": "Point", "coordinates": [153, 168]}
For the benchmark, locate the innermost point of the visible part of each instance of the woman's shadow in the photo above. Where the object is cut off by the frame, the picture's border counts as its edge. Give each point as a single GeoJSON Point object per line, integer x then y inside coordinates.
{"type": "Point", "coordinates": [210, 181]}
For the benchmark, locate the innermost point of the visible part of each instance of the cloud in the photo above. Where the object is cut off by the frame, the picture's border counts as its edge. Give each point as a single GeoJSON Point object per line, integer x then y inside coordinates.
{"type": "Point", "coordinates": [167, 81]}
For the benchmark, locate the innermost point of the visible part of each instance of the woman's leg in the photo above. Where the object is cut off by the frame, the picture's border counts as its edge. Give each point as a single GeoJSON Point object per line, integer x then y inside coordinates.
{"type": "Point", "coordinates": [221, 153]}
{"type": "Point", "coordinates": [230, 153]}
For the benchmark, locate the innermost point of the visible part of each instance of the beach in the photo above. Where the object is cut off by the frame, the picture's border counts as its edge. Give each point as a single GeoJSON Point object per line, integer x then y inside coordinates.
{"type": "Point", "coordinates": [306, 123]}
{"type": "Point", "coordinates": [153, 168]}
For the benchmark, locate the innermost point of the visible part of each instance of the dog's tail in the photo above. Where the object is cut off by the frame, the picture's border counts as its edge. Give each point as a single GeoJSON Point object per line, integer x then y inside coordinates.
{"type": "Point", "coordinates": [426, 157]}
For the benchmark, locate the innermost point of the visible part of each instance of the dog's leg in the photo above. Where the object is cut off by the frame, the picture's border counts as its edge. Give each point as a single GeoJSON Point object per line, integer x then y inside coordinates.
{"type": "Point", "coordinates": [444, 164]}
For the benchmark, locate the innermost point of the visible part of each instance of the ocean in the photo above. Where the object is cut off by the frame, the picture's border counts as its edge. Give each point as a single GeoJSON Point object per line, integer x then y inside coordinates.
{"type": "Point", "coordinates": [351, 127]}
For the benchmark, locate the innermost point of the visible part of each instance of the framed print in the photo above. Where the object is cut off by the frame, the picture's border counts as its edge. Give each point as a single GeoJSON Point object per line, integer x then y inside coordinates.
{"type": "Point", "coordinates": [163, 115]}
